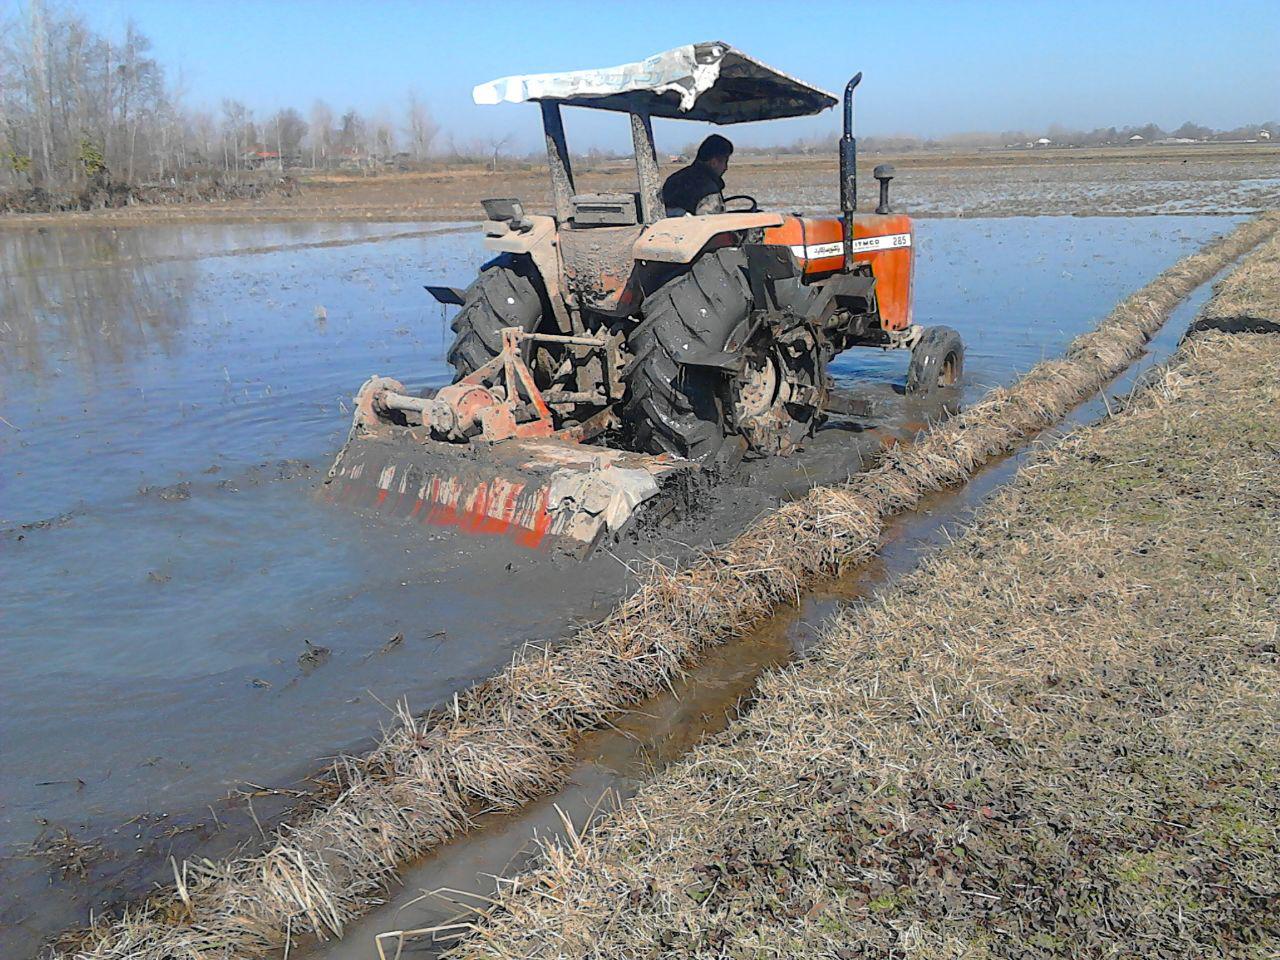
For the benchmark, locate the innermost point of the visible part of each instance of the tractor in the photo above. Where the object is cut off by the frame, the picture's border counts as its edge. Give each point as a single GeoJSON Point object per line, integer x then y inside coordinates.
{"type": "Point", "coordinates": [691, 340]}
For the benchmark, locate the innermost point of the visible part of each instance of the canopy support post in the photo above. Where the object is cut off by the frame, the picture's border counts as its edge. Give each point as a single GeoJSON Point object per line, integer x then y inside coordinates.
{"type": "Point", "coordinates": [651, 207]}
{"type": "Point", "coordinates": [558, 160]}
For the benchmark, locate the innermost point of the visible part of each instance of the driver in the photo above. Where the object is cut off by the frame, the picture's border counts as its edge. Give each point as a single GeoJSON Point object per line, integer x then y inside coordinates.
{"type": "Point", "coordinates": [698, 188]}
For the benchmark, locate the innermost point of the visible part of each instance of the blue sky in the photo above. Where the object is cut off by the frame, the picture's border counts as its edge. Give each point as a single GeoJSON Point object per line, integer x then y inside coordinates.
{"type": "Point", "coordinates": [930, 67]}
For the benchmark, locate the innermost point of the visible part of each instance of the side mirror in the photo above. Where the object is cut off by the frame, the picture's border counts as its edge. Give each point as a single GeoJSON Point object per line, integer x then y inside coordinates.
{"type": "Point", "coordinates": [884, 173]}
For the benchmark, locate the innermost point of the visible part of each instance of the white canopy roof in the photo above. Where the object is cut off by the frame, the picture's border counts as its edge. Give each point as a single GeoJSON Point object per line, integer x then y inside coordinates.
{"type": "Point", "coordinates": [700, 81]}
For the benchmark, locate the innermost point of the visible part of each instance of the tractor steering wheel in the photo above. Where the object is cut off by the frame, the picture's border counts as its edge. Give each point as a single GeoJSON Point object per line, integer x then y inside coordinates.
{"type": "Point", "coordinates": [754, 208]}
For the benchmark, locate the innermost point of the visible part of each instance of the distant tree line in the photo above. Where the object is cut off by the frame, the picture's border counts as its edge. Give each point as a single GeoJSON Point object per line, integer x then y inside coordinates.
{"type": "Point", "coordinates": [79, 110]}
{"type": "Point", "coordinates": [1056, 134]}
{"type": "Point", "coordinates": [87, 116]}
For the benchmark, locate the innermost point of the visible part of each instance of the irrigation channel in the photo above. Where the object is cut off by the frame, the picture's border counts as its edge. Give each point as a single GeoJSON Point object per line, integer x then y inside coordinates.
{"type": "Point", "coordinates": [438, 894]}
{"type": "Point", "coordinates": [167, 569]}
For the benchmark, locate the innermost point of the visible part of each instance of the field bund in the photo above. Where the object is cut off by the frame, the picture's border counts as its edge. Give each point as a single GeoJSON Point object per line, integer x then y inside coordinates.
{"type": "Point", "coordinates": [1059, 737]}
{"type": "Point", "coordinates": [510, 739]}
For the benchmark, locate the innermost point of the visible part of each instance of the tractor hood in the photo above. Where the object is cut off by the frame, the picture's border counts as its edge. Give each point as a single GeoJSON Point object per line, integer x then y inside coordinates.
{"type": "Point", "coordinates": [711, 82]}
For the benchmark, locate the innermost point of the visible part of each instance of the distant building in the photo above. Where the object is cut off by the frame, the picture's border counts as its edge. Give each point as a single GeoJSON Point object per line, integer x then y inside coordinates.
{"type": "Point", "coordinates": [1264, 134]}
{"type": "Point", "coordinates": [259, 157]}
{"type": "Point", "coordinates": [357, 158]}
{"type": "Point", "coordinates": [1137, 138]}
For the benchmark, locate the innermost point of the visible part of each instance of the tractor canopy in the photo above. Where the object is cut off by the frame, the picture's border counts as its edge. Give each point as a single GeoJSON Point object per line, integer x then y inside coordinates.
{"type": "Point", "coordinates": [711, 82]}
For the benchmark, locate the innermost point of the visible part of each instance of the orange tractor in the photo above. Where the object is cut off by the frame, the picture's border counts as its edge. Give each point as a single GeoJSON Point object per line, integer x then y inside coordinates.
{"type": "Point", "coordinates": [695, 338]}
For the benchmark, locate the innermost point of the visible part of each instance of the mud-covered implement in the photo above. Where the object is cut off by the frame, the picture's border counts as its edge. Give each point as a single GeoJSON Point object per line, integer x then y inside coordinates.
{"type": "Point", "coordinates": [444, 459]}
{"type": "Point", "coordinates": [496, 402]}
{"type": "Point", "coordinates": [682, 340]}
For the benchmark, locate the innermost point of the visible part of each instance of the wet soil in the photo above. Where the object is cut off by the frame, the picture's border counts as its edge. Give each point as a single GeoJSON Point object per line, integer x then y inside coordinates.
{"type": "Point", "coordinates": [1107, 181]}
{"type": "Point", "coordinates": [171, 397]}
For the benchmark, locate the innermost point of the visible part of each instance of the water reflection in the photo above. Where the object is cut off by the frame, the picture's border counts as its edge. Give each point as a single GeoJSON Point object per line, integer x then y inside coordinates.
{"type": "Point", "coordinates": [63, 298]}
{"type": "Point", "coordinates": [144, 357]}
{"type": "Point", "coordinates": [95, 296]}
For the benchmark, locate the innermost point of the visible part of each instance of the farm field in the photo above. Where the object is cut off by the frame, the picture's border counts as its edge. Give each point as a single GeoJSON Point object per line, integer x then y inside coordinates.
{"type": "Point", "coordinates": [484, 483]}
{"type": "Point", "coordinates": [1112, 181]}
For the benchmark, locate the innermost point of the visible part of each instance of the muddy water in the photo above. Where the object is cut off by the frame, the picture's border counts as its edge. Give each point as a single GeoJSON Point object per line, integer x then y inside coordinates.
{"type": "Point", "coordinates": [180, 618]}
{"type": "Point", "coordinates": [439, 895]}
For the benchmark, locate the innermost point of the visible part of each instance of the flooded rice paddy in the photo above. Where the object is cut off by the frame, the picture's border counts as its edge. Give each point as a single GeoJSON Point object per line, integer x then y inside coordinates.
{"type": "Point", "coordinates": [187, 632]}
{"type": "Point", "coordinates": [1049, 184]}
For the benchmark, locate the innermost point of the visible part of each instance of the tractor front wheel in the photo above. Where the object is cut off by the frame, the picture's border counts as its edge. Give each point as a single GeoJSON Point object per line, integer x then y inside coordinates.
{"type": "Point", "coordinates": [937, 360]}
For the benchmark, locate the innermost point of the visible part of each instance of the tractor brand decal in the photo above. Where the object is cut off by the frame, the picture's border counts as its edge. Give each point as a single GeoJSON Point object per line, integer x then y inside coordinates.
{"type": "Point", "coordinates": [890, 242]}
{"type": "Point", "coordinates": [820, 251]}
{"type": "Point", "coordinates": [817, 251]}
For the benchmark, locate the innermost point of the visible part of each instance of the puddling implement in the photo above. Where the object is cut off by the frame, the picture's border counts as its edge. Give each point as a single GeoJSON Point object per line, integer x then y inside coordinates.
{"type": "Point", "coordinates": [614, 345]}
{"type": "Point", "coordinates": [484, 455]}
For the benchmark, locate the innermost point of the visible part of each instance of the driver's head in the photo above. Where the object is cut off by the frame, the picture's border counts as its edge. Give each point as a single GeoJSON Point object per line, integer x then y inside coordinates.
{"type": "Point", "coordinates": [715, 152]}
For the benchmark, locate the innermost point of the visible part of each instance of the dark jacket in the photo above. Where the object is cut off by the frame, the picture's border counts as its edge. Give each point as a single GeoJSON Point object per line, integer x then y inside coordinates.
{"type": "Point", "coordinates": [694, 189]}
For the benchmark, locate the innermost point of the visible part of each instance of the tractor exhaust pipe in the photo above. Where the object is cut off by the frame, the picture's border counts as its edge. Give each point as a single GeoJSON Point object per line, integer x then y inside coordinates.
{"type": "Point", "coordinates": [849, 171]}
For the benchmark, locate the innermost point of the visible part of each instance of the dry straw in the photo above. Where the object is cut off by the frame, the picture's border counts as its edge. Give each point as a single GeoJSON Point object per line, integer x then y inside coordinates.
{"type": "Point", "coordinates": [509, 739]}
{"type": "Point", "coordinates": [1058, 737]}
{"type": "Point", "coordinates": [1249, 299]}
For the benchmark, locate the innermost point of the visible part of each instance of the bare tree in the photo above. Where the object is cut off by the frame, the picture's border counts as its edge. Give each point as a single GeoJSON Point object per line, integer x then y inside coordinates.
{"type": "Point", "coordinates": [382, 137]}
{"type": "Point", "coordinates": [40, 97]}
{"type": "Point", "coordinates": [352, 138]}
{"type": "Point", "coordinates": [205, 130]}
{"type": "Point", "coordinates": [320, 130]}
{"type": "Point", "coordinates": [421, 127]}
{"type": "Point", "coordinates": [235, 118]}
{"type": "Point", "coordinates": [289, 129]}
{"type": "Point", "coordinates": [496, 146]}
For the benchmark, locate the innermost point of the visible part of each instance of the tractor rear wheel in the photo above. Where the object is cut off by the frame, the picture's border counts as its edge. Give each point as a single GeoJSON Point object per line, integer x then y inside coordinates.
{"type": "Point", "coordinates": [673, 407]}
{"type": "Point", "coordinates": [777, 402]}
{"type": "Point", "coordinates": [508, 293]}
{"type": "Point", "coordinates": [937, 360]}
{"type": "Point", "coordinates": [686, 409]}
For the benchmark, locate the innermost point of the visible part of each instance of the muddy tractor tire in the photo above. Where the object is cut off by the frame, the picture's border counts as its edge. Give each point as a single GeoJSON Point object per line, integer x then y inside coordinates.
{"type": "Point", "coordinates": [777, 402]}
{"type": "Point", "coordinates": [508, 293]}
{"type": "Point", "coordinates": [688, 409]}
{"type": "Point", "coordinates": [937, 360]}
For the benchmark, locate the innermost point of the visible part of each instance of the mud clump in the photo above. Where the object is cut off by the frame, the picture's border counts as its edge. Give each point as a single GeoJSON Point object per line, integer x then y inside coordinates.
{"type": "Point", "coordinates": [172, 493]}
{"type": "Point", "coordinates": [283, 470]}
{"type": "Point", "coordinates": [313, 656]}
{"type": "Point", "coordinates": [681, 495]}
{"type": "Point", "coordinates": [1247, 301]}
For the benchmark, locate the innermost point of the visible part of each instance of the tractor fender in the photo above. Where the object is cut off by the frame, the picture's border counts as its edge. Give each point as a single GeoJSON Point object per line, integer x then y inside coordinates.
{"type": "Point", "coordinates": [539, 244]}
{"type": "Point", "coordinates": [681, 239]}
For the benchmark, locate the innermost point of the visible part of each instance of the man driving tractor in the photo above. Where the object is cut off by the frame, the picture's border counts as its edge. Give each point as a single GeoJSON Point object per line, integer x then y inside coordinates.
{"type": "Point", "coordinates": [699, 187]}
